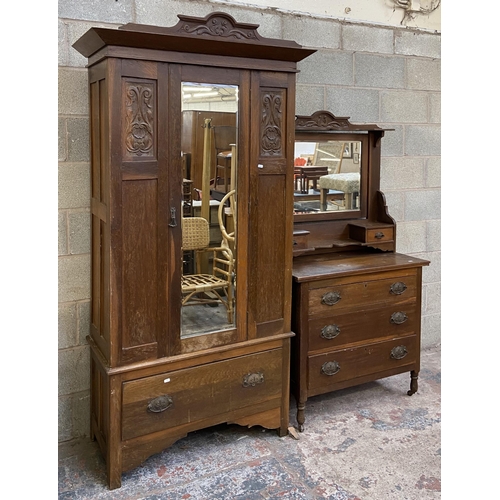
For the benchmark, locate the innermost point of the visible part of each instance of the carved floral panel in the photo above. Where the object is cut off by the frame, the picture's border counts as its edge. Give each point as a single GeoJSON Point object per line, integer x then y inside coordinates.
{"type": "Point", "coordinates": [272, 123]}
{"type": "Point", "coordinates": [139, 119]}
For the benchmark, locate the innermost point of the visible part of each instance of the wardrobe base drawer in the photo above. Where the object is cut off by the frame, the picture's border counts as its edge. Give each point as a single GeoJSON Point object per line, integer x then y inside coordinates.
{"type": "Point", "coordinates": [171, 399]}
{"type": "Point", "coordinates": [328, 369]}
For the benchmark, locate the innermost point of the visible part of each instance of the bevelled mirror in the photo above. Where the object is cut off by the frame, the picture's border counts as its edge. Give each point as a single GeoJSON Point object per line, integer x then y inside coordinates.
{"type": "Point", "coordinates": [327, 175]}
{"type": "Point", "coordinates": [209, 162]}
{"type": "Point", "coordinates": [330, 168]}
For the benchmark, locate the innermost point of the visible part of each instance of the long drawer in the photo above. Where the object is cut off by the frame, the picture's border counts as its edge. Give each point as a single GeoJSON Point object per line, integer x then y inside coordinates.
{"type": "Point", "coordinates": [330, 368]}
{"type": "Point", "coordinates": [337, 330]}
{"type": "Point", "coordinates": [174, 398]}
{"type": "Point", "coordinates": [361, 291]}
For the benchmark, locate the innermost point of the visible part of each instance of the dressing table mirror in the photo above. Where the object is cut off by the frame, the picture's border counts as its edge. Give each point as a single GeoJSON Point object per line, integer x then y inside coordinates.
{"type": "Point", "coordinates": [356, 307]}
{"type": "Point", "coordinates": [330, 169]}
{"type": "Point", "coordinates": [336, 185]}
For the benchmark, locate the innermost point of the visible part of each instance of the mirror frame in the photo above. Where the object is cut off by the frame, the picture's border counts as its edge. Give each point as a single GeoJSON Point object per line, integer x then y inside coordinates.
{"type": "Point", "coordinates": [324, 126]}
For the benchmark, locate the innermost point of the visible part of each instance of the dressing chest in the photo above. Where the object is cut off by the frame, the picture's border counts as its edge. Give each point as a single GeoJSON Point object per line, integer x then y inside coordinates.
{"type": "Point", "coordinates": [356, 301]}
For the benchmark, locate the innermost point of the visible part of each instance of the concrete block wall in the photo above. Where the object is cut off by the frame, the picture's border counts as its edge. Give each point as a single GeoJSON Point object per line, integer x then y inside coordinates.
{"type": "Point", "coordinates": [371, 73]}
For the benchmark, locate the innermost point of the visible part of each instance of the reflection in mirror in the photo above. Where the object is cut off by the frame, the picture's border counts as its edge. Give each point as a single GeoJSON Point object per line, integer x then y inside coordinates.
{"type": "Point", "coordinates": [208, 142]}
{"type": "Point", "coordinates": [326, 176]}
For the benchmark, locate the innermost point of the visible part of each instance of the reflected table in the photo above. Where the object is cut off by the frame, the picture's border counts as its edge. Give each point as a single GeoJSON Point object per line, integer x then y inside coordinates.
{"type": "Point", "coordinates": [305, 174]}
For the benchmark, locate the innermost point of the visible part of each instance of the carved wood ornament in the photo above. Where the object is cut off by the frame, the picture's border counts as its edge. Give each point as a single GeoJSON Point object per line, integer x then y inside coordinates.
{"type": "Point", "coordinates": [324, 121]}
{"type": "Point", "coordinates": [271, 142]}
{"type": "Point", "coordinates": [139, 115]}
{"type": "Point", "coordinates": [218, 24]}
{"type": "Point", "coordinates": [321, 120]}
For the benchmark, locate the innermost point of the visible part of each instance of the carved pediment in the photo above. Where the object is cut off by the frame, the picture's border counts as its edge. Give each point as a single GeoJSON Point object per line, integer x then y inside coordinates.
{"type": "Point", "coordinates": [216, 34]}
{"type": "Point", "coordinates": [322, 120]}
{"type": "Point", "coordinates": [217, 24]}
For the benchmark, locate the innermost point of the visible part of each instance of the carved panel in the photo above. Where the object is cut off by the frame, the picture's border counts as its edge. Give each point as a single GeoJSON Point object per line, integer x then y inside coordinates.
{"type": "Point", "coordinates": [271, 124]}
{"type": "Point", "coordinates": [324, 121]}
{"type": "Point", "coordinates": [139, 119]}
{"type": "Point", "coordinates": [219, 25]}
{"type": "Point", "coordinates": [321, 120]}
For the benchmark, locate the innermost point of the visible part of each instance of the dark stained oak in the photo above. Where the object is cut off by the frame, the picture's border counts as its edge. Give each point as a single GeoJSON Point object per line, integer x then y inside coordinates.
{"type": "Point", "coordinates": [356, 301]}
{"type": "Point", "coordinates": [346, 312]}
{"type": "Point", "coordinates": [149, 386]}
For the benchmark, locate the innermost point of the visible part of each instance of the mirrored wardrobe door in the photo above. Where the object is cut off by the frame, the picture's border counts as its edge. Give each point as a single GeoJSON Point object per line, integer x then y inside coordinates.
{"type": "Point", "coordinates": [209, 131]}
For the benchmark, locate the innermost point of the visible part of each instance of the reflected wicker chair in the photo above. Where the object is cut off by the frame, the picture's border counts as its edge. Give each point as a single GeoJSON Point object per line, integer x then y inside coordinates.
{"type": "Point", "coordinates": [217, 286]}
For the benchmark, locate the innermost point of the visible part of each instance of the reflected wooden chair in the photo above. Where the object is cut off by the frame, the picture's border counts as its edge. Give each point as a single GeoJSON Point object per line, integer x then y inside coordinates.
{"type": "Point", "coordinates": [224, 137]}
{"type": "Point", "coordinates": [329, 154]}
{"type": "Point", "coordinates": [216, 286]}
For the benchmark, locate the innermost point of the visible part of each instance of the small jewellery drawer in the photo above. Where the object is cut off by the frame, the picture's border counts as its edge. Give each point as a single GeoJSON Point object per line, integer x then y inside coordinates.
{"type": "Point", "coordinates": [374, 235]}
{"type": "Point", "coordinates": [173, 398]}
{"type": "Point", "coordinates": [348, 364]}
{"type": "Point", "coordinates": [371, 234]}
{"type": "Point", "coordinates": [347, 328]}
{"type": "Point", "coordinates": [300, 240]}
{"type": "Point", "coordinates": [340, 295]}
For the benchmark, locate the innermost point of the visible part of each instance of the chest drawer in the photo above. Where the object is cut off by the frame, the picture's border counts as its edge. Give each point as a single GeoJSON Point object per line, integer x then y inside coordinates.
{"type": "Point", "coordinates": [359, 292]}
{"type": "Point", "coordinates": [333, 367]}
{"type": "Point", "coordinates": [337, 330]}
{"type": "Point", "coordinates": [173, 398]}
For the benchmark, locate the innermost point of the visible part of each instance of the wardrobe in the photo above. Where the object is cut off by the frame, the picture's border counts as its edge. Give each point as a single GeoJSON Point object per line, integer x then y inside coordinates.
{"type": "Point", "coordinates": [176, 347]}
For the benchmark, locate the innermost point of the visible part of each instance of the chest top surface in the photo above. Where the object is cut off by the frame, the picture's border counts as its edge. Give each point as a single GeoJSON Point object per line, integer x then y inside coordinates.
{"type": "Point", "coordinates": [342, 264]}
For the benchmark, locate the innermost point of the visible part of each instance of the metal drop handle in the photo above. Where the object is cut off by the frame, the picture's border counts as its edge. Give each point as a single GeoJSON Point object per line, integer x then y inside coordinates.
{"type": "Point", "coordinates": [398, 288]}
{"type": "Point", "coordinates": [329, 332]}
{"type": "Point", "coordinates": [330, 368]}
{"type": "Point", "coordinates": [399, 352]}
{"type": "Point", "coordinates": [161, 403]}
{"type": "Point", "coordinates": [398, 318]}
{"type": "Point", "coordinates": [330, 298]}
{"type": "Point", "coordinates": [253, 379]}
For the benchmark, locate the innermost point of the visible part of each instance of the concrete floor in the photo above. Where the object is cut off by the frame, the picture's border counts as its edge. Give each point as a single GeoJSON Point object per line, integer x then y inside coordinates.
{"type": "Point", "coordinates": [371, 442]}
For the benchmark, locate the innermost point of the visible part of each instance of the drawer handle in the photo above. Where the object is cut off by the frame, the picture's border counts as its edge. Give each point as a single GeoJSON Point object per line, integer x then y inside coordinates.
{"type": "Point", "coordinates": [379, 235]}
{"type": "Point", "coordinates": [330, 368]}
{"type": "Point", "coordinates": [330, 298]}
{"type": "Point", "coordinates": [399, 352]}
{"type": "Point", "coordinates": [253, 379]}
{"type": "Point", "coordinates": [398, 318]}
{"type": "Point", "coordinates": [398, 288]}
{"type": "Point", "coordinates": [161, 403]}
{"type": "Point", "coordinates": [329, 332]}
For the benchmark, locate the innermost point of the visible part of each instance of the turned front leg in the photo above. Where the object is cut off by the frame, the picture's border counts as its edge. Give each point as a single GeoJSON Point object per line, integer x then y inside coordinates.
{"type": "Point", "coordinates": [413, 383]}
{"type": "Point", "coordinates": [301, 406]}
